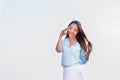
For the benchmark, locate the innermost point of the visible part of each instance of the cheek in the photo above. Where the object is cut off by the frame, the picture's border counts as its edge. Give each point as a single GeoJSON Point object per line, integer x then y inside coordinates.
{"type": "Point", "coordinates": [75, 33]}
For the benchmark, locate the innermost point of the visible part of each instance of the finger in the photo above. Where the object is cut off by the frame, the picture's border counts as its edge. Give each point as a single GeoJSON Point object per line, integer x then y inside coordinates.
{"type": "Point", "coordinates": [65, 32]}
{"type": "Point", "coordinates": [65, 29]}
{"type": "Point", "coordinates": [90, 44]}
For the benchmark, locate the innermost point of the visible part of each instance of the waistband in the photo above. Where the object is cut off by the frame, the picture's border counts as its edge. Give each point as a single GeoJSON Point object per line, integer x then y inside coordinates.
{"type": "Point", "coordinates": [76, 64]}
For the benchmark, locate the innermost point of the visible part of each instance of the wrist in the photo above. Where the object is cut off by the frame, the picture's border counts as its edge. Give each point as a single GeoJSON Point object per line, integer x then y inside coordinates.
{"type": "Point", "coordinates": [60, 37]}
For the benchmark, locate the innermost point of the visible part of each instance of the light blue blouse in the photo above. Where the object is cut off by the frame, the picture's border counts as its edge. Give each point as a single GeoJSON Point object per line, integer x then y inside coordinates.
{"type": "Point", "coordinates": [72, 54]}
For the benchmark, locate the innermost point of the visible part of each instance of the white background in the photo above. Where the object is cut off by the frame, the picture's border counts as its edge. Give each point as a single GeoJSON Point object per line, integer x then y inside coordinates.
{"type": "Point", "coordinates": [29, 30]}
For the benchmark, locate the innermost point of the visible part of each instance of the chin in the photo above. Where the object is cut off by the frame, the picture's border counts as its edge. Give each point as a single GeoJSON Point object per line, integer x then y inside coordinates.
{"type": "Point", "coordinates": [71, 36]}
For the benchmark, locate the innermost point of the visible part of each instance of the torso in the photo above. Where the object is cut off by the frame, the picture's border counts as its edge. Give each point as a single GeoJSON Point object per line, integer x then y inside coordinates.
{"type": "Point", "coordinates": [72, 42]}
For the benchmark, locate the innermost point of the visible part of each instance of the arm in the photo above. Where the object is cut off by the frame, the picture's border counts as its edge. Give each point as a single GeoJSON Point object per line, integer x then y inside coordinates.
{"type": "Point", "coordinates": [89, 50]}
{"type": "Point", "coordinates": [59, 42]}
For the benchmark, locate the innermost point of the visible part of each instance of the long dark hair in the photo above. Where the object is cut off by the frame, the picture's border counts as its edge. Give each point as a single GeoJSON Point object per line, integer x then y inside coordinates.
{"type": "Point", "coordinates": [81, 37]}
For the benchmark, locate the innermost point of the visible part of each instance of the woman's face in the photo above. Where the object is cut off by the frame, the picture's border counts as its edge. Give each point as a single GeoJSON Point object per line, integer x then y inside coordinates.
{"type": "Point", "coordinates": [72, 30]}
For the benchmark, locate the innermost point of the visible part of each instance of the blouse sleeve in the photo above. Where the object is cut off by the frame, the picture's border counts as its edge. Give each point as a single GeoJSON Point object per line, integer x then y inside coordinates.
{"type": "Point", "coordinates": [83, 56]}
{"type": "Point", "coordinates": [62, 45]}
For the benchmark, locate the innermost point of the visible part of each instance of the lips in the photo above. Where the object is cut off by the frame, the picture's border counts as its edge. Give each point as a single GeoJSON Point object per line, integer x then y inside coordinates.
{"type": "Point", "coordinates": [70, 33]}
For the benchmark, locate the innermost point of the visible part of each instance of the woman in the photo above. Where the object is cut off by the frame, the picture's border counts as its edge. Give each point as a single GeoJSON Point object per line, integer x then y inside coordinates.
{"type": "Point", "coordinates": [75, 49]}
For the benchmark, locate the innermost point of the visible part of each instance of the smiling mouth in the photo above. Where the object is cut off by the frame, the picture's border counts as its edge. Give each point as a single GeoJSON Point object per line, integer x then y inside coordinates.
{"type": "Point", "coordinates": [70, 33]}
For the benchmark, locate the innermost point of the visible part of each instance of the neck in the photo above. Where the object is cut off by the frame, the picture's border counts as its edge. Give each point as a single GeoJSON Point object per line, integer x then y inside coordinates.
{"type": "Point", "coordinates": [72, 39]}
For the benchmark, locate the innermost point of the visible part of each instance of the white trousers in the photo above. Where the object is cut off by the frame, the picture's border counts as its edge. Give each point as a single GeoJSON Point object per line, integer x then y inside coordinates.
{"type": "Point", "coordinates": [74, 72]}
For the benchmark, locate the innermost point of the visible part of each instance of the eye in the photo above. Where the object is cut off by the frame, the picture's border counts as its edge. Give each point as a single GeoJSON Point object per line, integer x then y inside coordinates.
{"type": "Point", "coordinates": [75, 30]}
{"type": "Point", "coordinates": [70, 27]}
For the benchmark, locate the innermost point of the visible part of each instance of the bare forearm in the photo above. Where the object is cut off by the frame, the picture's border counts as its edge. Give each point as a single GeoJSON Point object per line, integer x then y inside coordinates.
{"type": "Point", "coordinates": [89, 50]}
{"type": "Point", "coordinates": [59, 44]}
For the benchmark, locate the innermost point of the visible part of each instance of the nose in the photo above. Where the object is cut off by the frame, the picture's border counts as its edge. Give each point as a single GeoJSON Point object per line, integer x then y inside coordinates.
{"type": "Point", "coordinates": [70, 30]}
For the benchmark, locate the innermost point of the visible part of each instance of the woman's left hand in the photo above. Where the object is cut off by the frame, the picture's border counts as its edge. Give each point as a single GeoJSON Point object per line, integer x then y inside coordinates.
{"type": "Point", "coordinates": [89, 46]}
{"type": "Point", "coordinates": [89, 50]}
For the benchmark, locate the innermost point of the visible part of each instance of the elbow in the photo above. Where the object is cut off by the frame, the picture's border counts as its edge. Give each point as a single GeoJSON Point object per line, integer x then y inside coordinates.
{"type": "Point", "coordinates": [58, 50]}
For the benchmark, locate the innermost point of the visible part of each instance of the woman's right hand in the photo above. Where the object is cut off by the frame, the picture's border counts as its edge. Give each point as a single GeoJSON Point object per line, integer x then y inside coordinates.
{"type": "Point", "coordinates": [63, 32]}
{"type": "Point", "coordinates": [59, 43]}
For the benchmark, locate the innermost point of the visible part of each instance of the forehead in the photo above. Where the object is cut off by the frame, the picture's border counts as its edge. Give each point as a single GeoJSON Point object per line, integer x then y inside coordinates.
{"type": "Point", "coordinates": [73, 25]}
